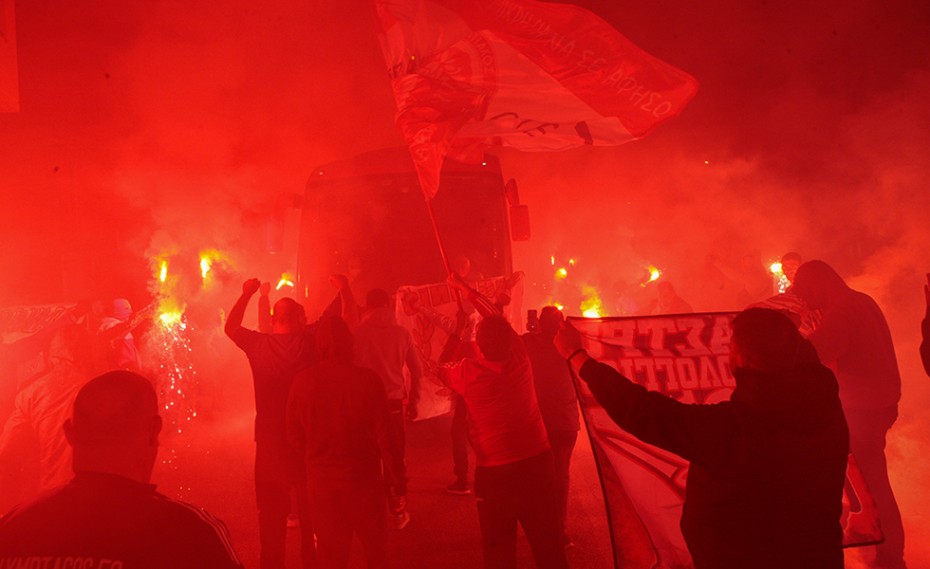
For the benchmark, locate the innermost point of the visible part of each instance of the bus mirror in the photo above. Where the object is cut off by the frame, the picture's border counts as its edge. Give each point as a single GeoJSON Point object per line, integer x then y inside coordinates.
{"type": "Point", "coordinates": [519, 223]}
{"type": "Point", "coordinates": [511, 193]}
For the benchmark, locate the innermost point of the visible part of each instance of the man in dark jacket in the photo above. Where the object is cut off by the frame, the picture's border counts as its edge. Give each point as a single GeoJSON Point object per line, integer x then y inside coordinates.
{"type": "Point", "coordinates": [854, 341]}
{"type": "Point", "coordinates": [767, 467]}
{"type": "Point", "coordinates": [109, 515]}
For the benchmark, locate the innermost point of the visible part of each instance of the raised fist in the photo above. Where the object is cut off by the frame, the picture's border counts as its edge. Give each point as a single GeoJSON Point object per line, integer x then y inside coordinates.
{"type": "Point", "coordinates": [251, 286]}
{"type": "Point", "coordinates": [340, 282]}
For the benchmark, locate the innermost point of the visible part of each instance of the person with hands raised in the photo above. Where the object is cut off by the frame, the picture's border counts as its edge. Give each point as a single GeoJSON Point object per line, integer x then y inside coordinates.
{"type": "Point", "coordinates": [275, 357]}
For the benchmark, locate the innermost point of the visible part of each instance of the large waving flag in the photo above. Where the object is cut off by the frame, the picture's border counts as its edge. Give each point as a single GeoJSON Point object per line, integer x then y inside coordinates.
{"type": "Point", "coordinates": [523, 73]}
{"type": "Point", "coordinates": [685, 357]}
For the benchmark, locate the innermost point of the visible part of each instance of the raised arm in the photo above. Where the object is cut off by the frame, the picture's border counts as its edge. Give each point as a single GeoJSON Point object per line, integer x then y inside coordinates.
{"type": "Point", "coordinates": [482, 304]}
{"type": "Point", "coordinates": [237, 313]}
{"type": "Point", "coordinates": [264, 308]}
{"type": "Point", "coordinates": [699, 433]}
{"type": "Point", "coordinates": [343, 305]}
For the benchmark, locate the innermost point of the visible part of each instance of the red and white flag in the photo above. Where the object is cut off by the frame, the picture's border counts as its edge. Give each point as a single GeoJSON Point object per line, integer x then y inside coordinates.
{"type": "Point", "coordinates": [685, 357]}
{"type": "Point", "coordinates": [523, 73]}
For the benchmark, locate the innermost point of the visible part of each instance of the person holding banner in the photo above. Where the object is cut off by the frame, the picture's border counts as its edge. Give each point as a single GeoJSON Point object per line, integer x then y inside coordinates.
{"type": "Point", "coordinates": [767, 468]}
{"type": "Point", "coordinates": [514, 473]}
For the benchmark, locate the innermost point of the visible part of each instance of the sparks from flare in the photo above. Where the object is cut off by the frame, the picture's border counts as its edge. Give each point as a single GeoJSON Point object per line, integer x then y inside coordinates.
{"type": "Point", "coordinates": [169, 346]}
{"type": "Point", "coordinates": [176, 375]}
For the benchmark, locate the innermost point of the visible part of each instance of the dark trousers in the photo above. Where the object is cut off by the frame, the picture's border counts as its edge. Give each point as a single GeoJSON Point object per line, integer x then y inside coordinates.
{"type": "Point", "coordinates": [524, 492]}
{"type": "Point", "coordinates": [867, 430]}
{"type": "Point", "coordinates": [395, 468]}
{"type": "Point", "coordinates": [563, 444]}
{"type": "Point", "coordinates": [347, 505]}
{"type": "Point", "coordinates": [277, 475]}
{"type": "Point", "coordinates": [459, 432]}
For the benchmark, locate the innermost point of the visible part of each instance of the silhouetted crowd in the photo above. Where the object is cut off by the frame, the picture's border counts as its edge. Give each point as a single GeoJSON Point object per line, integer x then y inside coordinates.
{"type": "Point", "coordinates": [816, 378]}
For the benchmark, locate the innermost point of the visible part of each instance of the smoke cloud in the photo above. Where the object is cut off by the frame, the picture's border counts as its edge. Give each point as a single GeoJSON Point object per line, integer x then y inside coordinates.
{"type": "Point", "coordinates": [160, 130]}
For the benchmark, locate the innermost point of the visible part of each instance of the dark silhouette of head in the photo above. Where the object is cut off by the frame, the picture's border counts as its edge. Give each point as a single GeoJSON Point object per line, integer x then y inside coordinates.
{"type": "Point", "coordinates": [287, 316]}
{"type": "Point", "coordinates": [377, 298]}
{"type": "Point", "coordinates": [334, 340]}
{"type": "Point", "coordinates": [818, 284]}
{"type": "Point", "coordinates": [115, 426]}
{"type": "Point", "coordinates": [766, 340]}
{"type": "Point", "coordinates": [494, 337]}
{"type": "Point", "coordinates": [550, 320]}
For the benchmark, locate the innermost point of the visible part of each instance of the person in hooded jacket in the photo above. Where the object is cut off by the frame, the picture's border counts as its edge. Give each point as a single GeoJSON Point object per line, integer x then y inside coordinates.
{"type": "Point", "coordinates": [767, 468]}
{"type": "Point", "coordinates": [336, 420]}
{"type": "Point", "coordinates": [854, 341]}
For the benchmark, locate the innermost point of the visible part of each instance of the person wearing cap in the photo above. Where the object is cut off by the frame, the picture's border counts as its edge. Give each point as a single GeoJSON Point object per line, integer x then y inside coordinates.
{"type": "Point", "coordinates": [116, 333]}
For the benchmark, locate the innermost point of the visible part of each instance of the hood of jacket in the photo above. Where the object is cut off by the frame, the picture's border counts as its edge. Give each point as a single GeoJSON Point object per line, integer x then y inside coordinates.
{"type": "Point", "coordinates": [801, 399]}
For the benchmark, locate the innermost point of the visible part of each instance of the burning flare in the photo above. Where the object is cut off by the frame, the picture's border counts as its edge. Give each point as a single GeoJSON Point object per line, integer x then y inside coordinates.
{"type": "Point", "coordinates": [169, 312]}
{"type": "Point", "coordinates": [591, 305]}
{"type": "Point", "coordinates": [781, 280]}
{"type": "Point", "coordinates": [654, 274]}
{"type": "Point", "coordinates": [286, 280]}
{"type": "Point", "coordinates": [208, 258]}
{"type": "Point", "coordinates": [163, 271]}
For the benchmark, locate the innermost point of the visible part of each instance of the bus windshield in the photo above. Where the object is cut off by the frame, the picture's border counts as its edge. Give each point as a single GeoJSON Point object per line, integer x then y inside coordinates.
{"type": "Point", "coordinates": [367, 218]}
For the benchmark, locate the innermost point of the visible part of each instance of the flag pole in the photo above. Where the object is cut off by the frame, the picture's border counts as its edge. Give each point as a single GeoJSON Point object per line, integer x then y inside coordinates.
{"type": "Point", "coordinates": [442, 248]}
